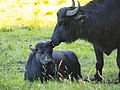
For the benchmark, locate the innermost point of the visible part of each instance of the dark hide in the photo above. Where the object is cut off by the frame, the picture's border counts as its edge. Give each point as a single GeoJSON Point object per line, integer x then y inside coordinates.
{"type": "Point", "coordinates": [52, 64]}
{"type": "Point", "coordinates": [67, 65]}
{"type": "Point", "coordinates": [33, 69]}
{"type": "Point", "coordinates": [96, 22]}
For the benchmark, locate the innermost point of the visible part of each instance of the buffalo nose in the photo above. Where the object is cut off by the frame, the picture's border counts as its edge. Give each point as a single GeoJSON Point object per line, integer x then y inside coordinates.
{"type": "Point", "coordinates": [56, 42]}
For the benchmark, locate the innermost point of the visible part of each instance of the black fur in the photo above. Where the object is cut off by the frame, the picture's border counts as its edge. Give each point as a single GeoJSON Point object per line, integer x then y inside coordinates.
{"type": "Point", "coordinates": [33, 69]}
{"type": "Point", "coordinates": [63, 64]}
{"type": "Point", "coordinates": [100, 26]}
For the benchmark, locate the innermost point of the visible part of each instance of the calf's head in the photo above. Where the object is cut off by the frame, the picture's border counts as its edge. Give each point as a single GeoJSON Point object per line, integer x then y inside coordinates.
{"type": "Point", "coordinates": [43, 52]}
{"type": "Point", "coordinates": [69, 24]}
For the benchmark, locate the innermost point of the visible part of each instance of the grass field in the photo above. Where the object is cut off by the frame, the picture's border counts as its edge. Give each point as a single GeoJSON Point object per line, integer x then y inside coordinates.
{"type": "Point", "coordinates": [25, 22]}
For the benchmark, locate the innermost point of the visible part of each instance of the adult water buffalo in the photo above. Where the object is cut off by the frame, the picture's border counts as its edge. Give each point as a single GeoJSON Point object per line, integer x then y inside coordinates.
{"type": "Point", "coordinates": [97, 22]}
{"type": "Point", "coordinates": [44, 63]}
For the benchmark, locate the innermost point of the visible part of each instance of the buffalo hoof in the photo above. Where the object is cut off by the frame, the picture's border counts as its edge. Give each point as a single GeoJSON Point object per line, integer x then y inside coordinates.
{"type": "Point", "coordinates": [91, 79]}
{"type": "Point", "coordinates": [97, 77]}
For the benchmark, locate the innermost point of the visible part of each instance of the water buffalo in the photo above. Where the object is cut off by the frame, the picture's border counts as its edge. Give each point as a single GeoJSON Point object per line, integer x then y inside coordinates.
{"type": "Point", "coordinates": [44, 63]}
{"type": "Point", "coordinates": [96, 22]}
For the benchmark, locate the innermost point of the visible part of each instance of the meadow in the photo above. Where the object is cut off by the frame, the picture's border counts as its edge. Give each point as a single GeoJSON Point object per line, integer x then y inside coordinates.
{"type": "Point", "coordinates": [25, 22]}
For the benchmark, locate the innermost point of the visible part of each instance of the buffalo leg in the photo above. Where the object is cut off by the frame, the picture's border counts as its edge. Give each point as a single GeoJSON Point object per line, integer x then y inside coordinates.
{"type": "Point", "coordinates": [99, 63]}
{"type": "Point", "coordinates": [118, 62]}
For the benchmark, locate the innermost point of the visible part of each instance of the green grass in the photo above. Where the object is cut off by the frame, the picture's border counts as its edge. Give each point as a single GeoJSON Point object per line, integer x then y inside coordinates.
{"type": "Point", "coordinates": [14, 47]}
{"type": "Point", "coordinates": [19, 30]}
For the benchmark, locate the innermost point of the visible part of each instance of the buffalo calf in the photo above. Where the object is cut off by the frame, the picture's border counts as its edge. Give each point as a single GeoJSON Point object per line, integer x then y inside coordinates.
{"type": "Point", "coordinates": [44, 63]}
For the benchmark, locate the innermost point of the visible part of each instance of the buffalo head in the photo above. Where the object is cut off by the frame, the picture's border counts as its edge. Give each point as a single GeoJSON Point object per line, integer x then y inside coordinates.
{"type": "Point", "coordinates": [69, 24]}
{"type": "Point", "coordinates": [43, 52]}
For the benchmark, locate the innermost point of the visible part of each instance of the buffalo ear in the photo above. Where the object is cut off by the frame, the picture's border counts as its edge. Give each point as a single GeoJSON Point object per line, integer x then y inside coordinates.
{"type": "Point", "coordinates": [82, 18]}
{"type": "Point", "coordinates": [33, 49]}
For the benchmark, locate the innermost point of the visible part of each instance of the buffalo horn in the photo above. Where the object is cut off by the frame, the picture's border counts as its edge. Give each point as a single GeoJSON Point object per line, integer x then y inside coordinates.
{"type": "Point", "coordinates": [73, 3]}
{"type": "Point", "coordinates": [73, 12]}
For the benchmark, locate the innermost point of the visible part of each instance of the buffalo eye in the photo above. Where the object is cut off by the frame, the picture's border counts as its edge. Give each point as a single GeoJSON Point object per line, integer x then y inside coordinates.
{"type": "Point", "coordinates": [60, 22]}
{"type": "Point", "coordinates": [39, 52]}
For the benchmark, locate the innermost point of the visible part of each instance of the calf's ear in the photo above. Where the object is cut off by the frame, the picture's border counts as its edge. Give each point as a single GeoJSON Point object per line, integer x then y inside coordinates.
{"type": "Point", "coordinates": [32, 49]}
{"type": "Point", "coordinates": [82, 18]}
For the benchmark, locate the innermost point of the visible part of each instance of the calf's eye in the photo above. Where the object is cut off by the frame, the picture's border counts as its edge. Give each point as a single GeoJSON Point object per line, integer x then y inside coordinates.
{"type": "Point", "coordinates": [39, 53]}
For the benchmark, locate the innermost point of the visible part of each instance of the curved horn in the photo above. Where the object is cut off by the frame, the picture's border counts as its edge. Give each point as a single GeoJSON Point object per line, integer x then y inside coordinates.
{"type": "Point", "coordinates": [32, 48]}
{"type": "Point", "coordinates": [73, 3]}
{"type": "Point", "coordinates": [73, 12]}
